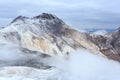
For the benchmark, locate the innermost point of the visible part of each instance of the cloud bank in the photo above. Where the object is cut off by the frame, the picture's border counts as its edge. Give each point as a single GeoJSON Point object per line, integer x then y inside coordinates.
{"type": "Point", "coordinates": [83, 65]}
{"type": "Point", "coordinates": [80, 65]}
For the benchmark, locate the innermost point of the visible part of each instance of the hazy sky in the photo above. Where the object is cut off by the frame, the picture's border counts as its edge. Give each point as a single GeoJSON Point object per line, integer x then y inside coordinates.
{"type": "Point", "coordinates": [77, 13]}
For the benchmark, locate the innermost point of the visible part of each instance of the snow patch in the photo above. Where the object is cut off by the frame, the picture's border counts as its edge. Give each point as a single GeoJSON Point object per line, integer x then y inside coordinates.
{"type": "Point", "coordinates": [100, 32]}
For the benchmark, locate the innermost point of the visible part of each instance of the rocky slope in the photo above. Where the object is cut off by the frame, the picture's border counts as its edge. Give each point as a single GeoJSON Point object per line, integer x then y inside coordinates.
{"type": "Point", "coordinates": [48, 34]}
{"type": "Point", "coordinates": [109, 44]}
{"type": "Point", "coordinates": [28, 44]}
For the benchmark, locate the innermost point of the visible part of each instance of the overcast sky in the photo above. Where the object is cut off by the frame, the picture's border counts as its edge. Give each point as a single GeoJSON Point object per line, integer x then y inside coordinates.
{"type": "Point", "coordinates": [77, 13]}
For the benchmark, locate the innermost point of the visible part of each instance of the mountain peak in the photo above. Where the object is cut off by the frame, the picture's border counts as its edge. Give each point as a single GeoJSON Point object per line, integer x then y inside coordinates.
{"type": "Point", "coordinates": [19, 18]}
{"type": "Point", "coordinates": [44, 23]}
{"type": "Point", "coordinates": [45, 16]}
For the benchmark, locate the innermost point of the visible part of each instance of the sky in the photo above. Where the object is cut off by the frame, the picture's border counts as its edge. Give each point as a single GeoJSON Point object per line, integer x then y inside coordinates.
{"type": "Point", "coordinates": [82, 14]}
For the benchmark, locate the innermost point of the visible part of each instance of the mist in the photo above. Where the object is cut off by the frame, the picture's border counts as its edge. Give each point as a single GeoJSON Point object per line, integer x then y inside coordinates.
{"type": "Point", "coordinates": [83, 65]}
{"type": "Point", "coordinates": [12, 55]}
{"type": "Point", "coordinates": [79, 65]}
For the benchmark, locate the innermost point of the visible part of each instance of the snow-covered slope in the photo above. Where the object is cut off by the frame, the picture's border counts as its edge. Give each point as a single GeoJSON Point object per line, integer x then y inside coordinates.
{"type": "Point", "coordinates": [28, 73]}
{"type": "Point", "coordinates": [46, 33]}
{"type": "Point", "coordinates": [32, 42]}
{"type": "Point", "coordinates": [37, 33]}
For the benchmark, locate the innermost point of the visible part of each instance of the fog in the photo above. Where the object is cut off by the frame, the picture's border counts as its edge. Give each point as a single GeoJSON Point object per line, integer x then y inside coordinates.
{"type": "Point", "coordinates": [12, 55]}
{"type": "Point", "coordinates": [9, 53]}
{"type": "Point", "coordinates": [80, 65]}
{"type": "Point", "coordinates": [83, 65]}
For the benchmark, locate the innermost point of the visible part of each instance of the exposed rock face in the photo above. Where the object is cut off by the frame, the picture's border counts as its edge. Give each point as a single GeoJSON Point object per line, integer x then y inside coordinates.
{"type": "Point", "coordinates": [114, 40]}
{"type": "Point", "coordinates": [109, 44]}
{"type": "Point", "coordinates": [45, 16]}
{"type": "Point", "coordinates": [48, 34]}
{"type": "Point", "coordinates": [43, 33]}
{"type": "Point", "coordinates": [19, 18]}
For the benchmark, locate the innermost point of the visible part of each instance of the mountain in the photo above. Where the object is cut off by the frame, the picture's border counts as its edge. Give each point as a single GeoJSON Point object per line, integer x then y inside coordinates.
{"type": "Point", "coordinates": [35, 40]}
{"type": "Point", "coordinates": [109, 44]}
{"type": "Point", "coordinates": [48, 34]}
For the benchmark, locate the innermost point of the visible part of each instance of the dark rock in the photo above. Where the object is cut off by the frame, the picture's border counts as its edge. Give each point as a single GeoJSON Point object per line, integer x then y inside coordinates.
{"type": "Point", "coordinates": [20, 18]}
{"type": "Point", "coordinates": [45, 16]}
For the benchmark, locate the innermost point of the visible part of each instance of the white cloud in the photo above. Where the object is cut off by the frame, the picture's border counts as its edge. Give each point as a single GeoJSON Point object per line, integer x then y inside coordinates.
{"type": "Point", "coordinates": [83, 65]}
{"type": "Point", "coordinates": [80, 65]}
{"type": "Point", "coordinates": [9, 52]}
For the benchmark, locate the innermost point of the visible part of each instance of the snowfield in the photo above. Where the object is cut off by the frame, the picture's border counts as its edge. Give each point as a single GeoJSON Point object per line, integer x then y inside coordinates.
{"type": "Point", "coordinates": [27, 73]}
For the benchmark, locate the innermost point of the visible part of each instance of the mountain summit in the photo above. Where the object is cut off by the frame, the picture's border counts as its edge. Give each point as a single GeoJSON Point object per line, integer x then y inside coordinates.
{"type": "Point", "coordinates": [19, 18]}
{"type": "Point", "coordinates": [45, 16]}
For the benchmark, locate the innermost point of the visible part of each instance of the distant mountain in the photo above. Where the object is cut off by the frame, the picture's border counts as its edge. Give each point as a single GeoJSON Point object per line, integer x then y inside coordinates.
{"type": "Point", "coordinates": [94, 30]}
{"type": "Point", "coordinates": [108, 44]}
